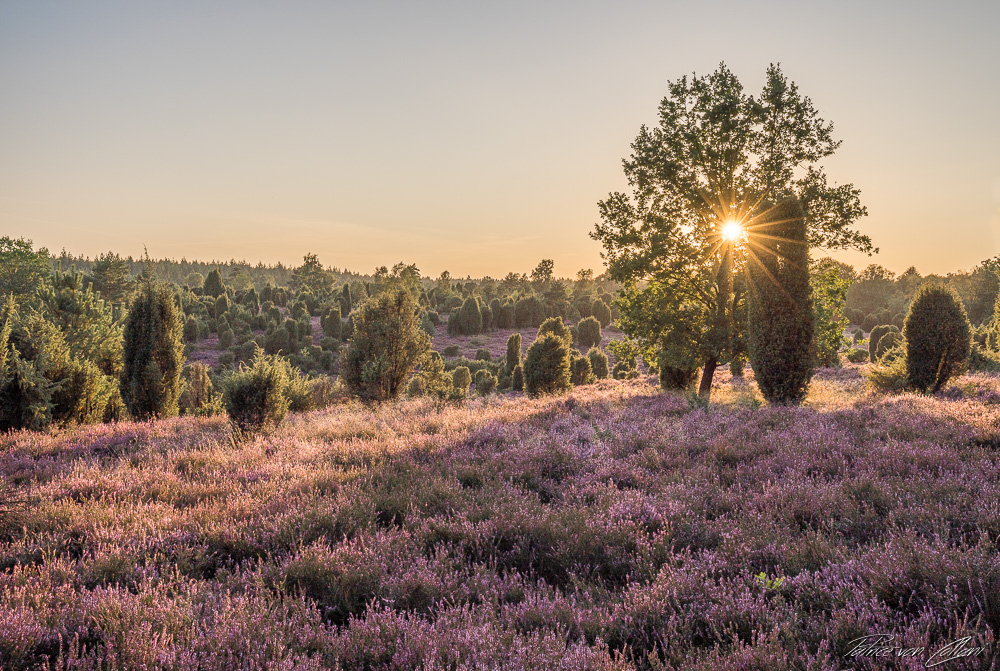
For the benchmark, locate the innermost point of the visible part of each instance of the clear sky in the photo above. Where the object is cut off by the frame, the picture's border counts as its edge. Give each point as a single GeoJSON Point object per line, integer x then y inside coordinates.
{"type": "Point", "coordinates": [472, 137]}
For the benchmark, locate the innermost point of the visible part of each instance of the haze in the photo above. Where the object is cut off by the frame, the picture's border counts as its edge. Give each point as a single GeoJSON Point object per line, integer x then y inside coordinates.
{"type": "Point", "coordinates": [462, 136]}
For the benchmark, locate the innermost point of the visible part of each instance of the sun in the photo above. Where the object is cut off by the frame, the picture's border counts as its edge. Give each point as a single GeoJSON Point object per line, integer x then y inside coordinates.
{"type": "Point", "coordinates": [732, 230]}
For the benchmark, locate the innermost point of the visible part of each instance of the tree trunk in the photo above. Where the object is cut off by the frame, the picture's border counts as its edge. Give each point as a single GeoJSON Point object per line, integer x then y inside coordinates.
{"type": "Point", "coordinates": [705, 388]}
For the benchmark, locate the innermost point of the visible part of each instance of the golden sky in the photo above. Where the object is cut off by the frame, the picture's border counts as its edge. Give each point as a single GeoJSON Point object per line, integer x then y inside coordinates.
{"type": "Point", "coordinates": [470, 137]}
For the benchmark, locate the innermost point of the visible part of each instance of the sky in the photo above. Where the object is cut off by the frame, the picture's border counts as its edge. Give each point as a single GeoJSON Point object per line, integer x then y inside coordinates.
{"type": "Point", "coordinates": [470, 137]}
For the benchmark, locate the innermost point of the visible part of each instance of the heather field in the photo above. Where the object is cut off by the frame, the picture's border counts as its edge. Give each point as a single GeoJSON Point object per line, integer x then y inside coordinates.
{"type": "Point", "coordinates": [618, 527]}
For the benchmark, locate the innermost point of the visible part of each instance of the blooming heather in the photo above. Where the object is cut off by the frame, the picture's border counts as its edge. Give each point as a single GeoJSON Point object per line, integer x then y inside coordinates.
{"type": "Point", "coordinates": [611, 528]}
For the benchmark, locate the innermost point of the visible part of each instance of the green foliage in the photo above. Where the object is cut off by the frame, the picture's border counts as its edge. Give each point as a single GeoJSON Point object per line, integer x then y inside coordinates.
{"type": "Point", "coordinates": [715, 152]}
{"type": "Point", "coordinates": [529, 311]}
{"type": "Point", "coordinates": [452, 350]}
{"type": "Point", "coordinates": [153, 353]}
{"type": "Point", "coordinates": [938, 338]}
{"type": "Point", "coordinates": [461, 379]}
{"type": "Point", "coordinates": [255, 397]}
{"type": "Point", "coordinates": [982, 360]}
{"type": "Point", "coordinates": [601, 312]}
{"type": "Point", "coordinates": [387, 344]}
{"type": "Point", "coordinates": [22, 269]}
{"type": "Point", "coordinates": [198, 396]}
{"type": "Point", "coordinates": [110, 274]}
{"type": "Point", "coordinates": [312, 277]}
{"type": "Point", "coordinates": [277, 340]}
{"type": "Point", "coordinates": [190, 330]}
{"type": "Point", "coordinates": [547, 364]}
{"type": "Point", "coordinates": [226, 337]}
{"type": "Point", "coordinates": [857, 355]}
{"type": "Point", "coordinates": [221, 306]}
{"type": "Point", "coordinates": [486, 382]}
{"type": "Point", "coordinates": [889, 375]}
{"type": "Point", "coordinates": [332, 323]}
{"type": "Point", "coordinates": [589, 332]}
{"type": "Point", "coordinates": [214, 285]}
{"type": "Point", "coordinates": [875, 336]}
{"type": "Point", "coordinates": [581, 372]}
{"type": "Point", "coordinates": [468, 320]}
{"type": "Point", "coordinates": [432, 379]}
{"type": "Point", "coordinates": [513, 357]}
{"type": "Point", "coordinates": [780, 315]}
{"type": "Point", "coordinates": [888, 343]}
{"type": "Point", "coordinates": [673, 378]}
{"type": "Point", "coordinates": [483, 354]}
{"type": "Point", "coordinates": [517, 378]}
{"type": "Point", "coordinates": [829, 295]}
{"type": "Point", "coordinates": [555, 326]}
{"type": "Point", "coordinates": [598, 363]}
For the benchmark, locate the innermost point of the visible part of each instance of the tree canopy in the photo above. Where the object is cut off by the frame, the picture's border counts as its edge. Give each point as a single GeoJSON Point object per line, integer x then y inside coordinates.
{"type": "Point", "coordinates": [716, 154]}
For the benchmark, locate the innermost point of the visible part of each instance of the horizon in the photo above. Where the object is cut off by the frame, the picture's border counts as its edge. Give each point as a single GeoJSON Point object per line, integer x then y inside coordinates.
{"type": "Point", "coordinates": [462, 138]}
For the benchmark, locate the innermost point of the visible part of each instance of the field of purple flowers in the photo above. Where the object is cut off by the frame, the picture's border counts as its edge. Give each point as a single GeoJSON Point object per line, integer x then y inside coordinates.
{"type": "Point", "coordinates": [617, 527]}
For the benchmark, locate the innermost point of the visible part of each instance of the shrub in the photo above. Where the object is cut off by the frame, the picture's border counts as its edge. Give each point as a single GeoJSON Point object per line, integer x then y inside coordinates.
{"type": "Point", "coordinates": [190, 330]}
{"type": "Point", "coordinates": [601, 312]}
{"type": "Point", "coordinates": [857, 355]}
{"type": "Point", "coordinates": [888, 342]}
{"type": "Point", "coordinates": [677, 379]}
{"type": "Point", "coordinates": [889, 375]}
{"type": "Point", "coordinates": [625, 370]}
{"type": "Point", "coordinates": [431, 379]}
{"type": "Point", "coordinates": [226, 337]}
{"type": "Point", "coordinates": [598, 363]}
{"type": "Point", "coordinates": [255, 397]}
{"type": "Point", "coordinates": [870, 322]}
{"type": "Point", "coordinates": [468, 320]}
{"type": "Point", "coordinates": [547, 364]}
{"type": "Point", "coordinates": [876, 335]}
{"type": "Point", "coordinates": [153, 354]}
{"type": "Point", "coordinates": [461, 378]}
{"type": "Point", "coordinates": [452, 350]}
{"type": "Point", "coordinates": [589, 332]}
{"type": "Point", "coordinates": [513, 353]}
{"type": "Point", "coordinates": [483, 354]}
{"type": "Point", "coordinates": [507, 318]}
{"type": "Point", "coordinates": [859, 335]}
{"type": "Point", "coordinates": [276, 340]}
{"type": "Point", "coordinates": [555, 326]}
{"type": "Point", "coordinates": [581, 372]}
{"type": "Point", "coordinates": [738, 364]}
{"type": "Point", "coordinates": [332, 323]}
{"type": "Point", "coordinates": [780, 316]}
{"type": "Point", "coordinates": [198, 397]}
{"type": "Point", "coordinates": [387, 345]}
{"type": "Point", "coordinates": [529, 311]}
{"type": "Point", "coordinates": [221, 306]}
{"type": "Point", "coordinates": [982, 360]}
{"type": "Point", "coordinates": [938, 338]}
{"type": "Point", "coordinates": [214, 286]}
{"type": "Point", "coordinates": [517, 378]}
{"type": "Point", "coordinates": [299, 310]}
{"type": "Point", "coordinates": [487, 314]}
{"type": "Point", "coordinates": [486, 382]}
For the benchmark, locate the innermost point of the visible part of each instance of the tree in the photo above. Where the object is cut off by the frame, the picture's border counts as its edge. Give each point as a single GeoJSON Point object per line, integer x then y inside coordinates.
{"type": "Point", "coordinates": [829, 294]}
{"type": "Point", "coordinates": [677, 242]}
{"type": "Point", "coordinates": [22, 269]}
{"type": "Point", "coordinates": [312, 276]}
{"type": "Point", "coordinates": [780, 316]}
{"type": "Point", "coordinates": [214, 286]}
{"type": "Point", "coordinates": [542, 274]}
{"type": "Point", "coordinates": [937, 336]}
{"type": "Point", "coordinates": [386, 345]}
{"type": "Point", "coordinates": [153, 353]}
{"type": "Point", "coordinates": [547, 365]}
{"type": "Point", "coordinates": [110, 273]}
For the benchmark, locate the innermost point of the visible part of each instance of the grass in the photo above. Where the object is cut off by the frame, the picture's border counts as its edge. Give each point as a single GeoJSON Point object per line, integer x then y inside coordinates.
{"type": "Point", "coordinates": [616, 527]}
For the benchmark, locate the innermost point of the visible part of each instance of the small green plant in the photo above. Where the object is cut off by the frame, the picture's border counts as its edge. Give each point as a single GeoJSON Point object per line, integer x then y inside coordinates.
{"type": "Point", "coordinates": [769, 583]}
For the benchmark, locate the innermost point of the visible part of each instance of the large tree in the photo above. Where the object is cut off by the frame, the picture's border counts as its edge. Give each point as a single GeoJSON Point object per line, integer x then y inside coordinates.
{"type": "Point", "coordinates": [679, 243]}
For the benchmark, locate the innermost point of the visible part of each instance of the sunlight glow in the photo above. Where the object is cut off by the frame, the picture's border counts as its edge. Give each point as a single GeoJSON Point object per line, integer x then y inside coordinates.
{"type": "Point", "coordinates": [732, 230]}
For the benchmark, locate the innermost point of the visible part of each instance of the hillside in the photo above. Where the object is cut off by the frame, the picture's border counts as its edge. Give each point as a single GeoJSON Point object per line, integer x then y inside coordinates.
{"type": "Point", "coordinates": [617, 527]}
